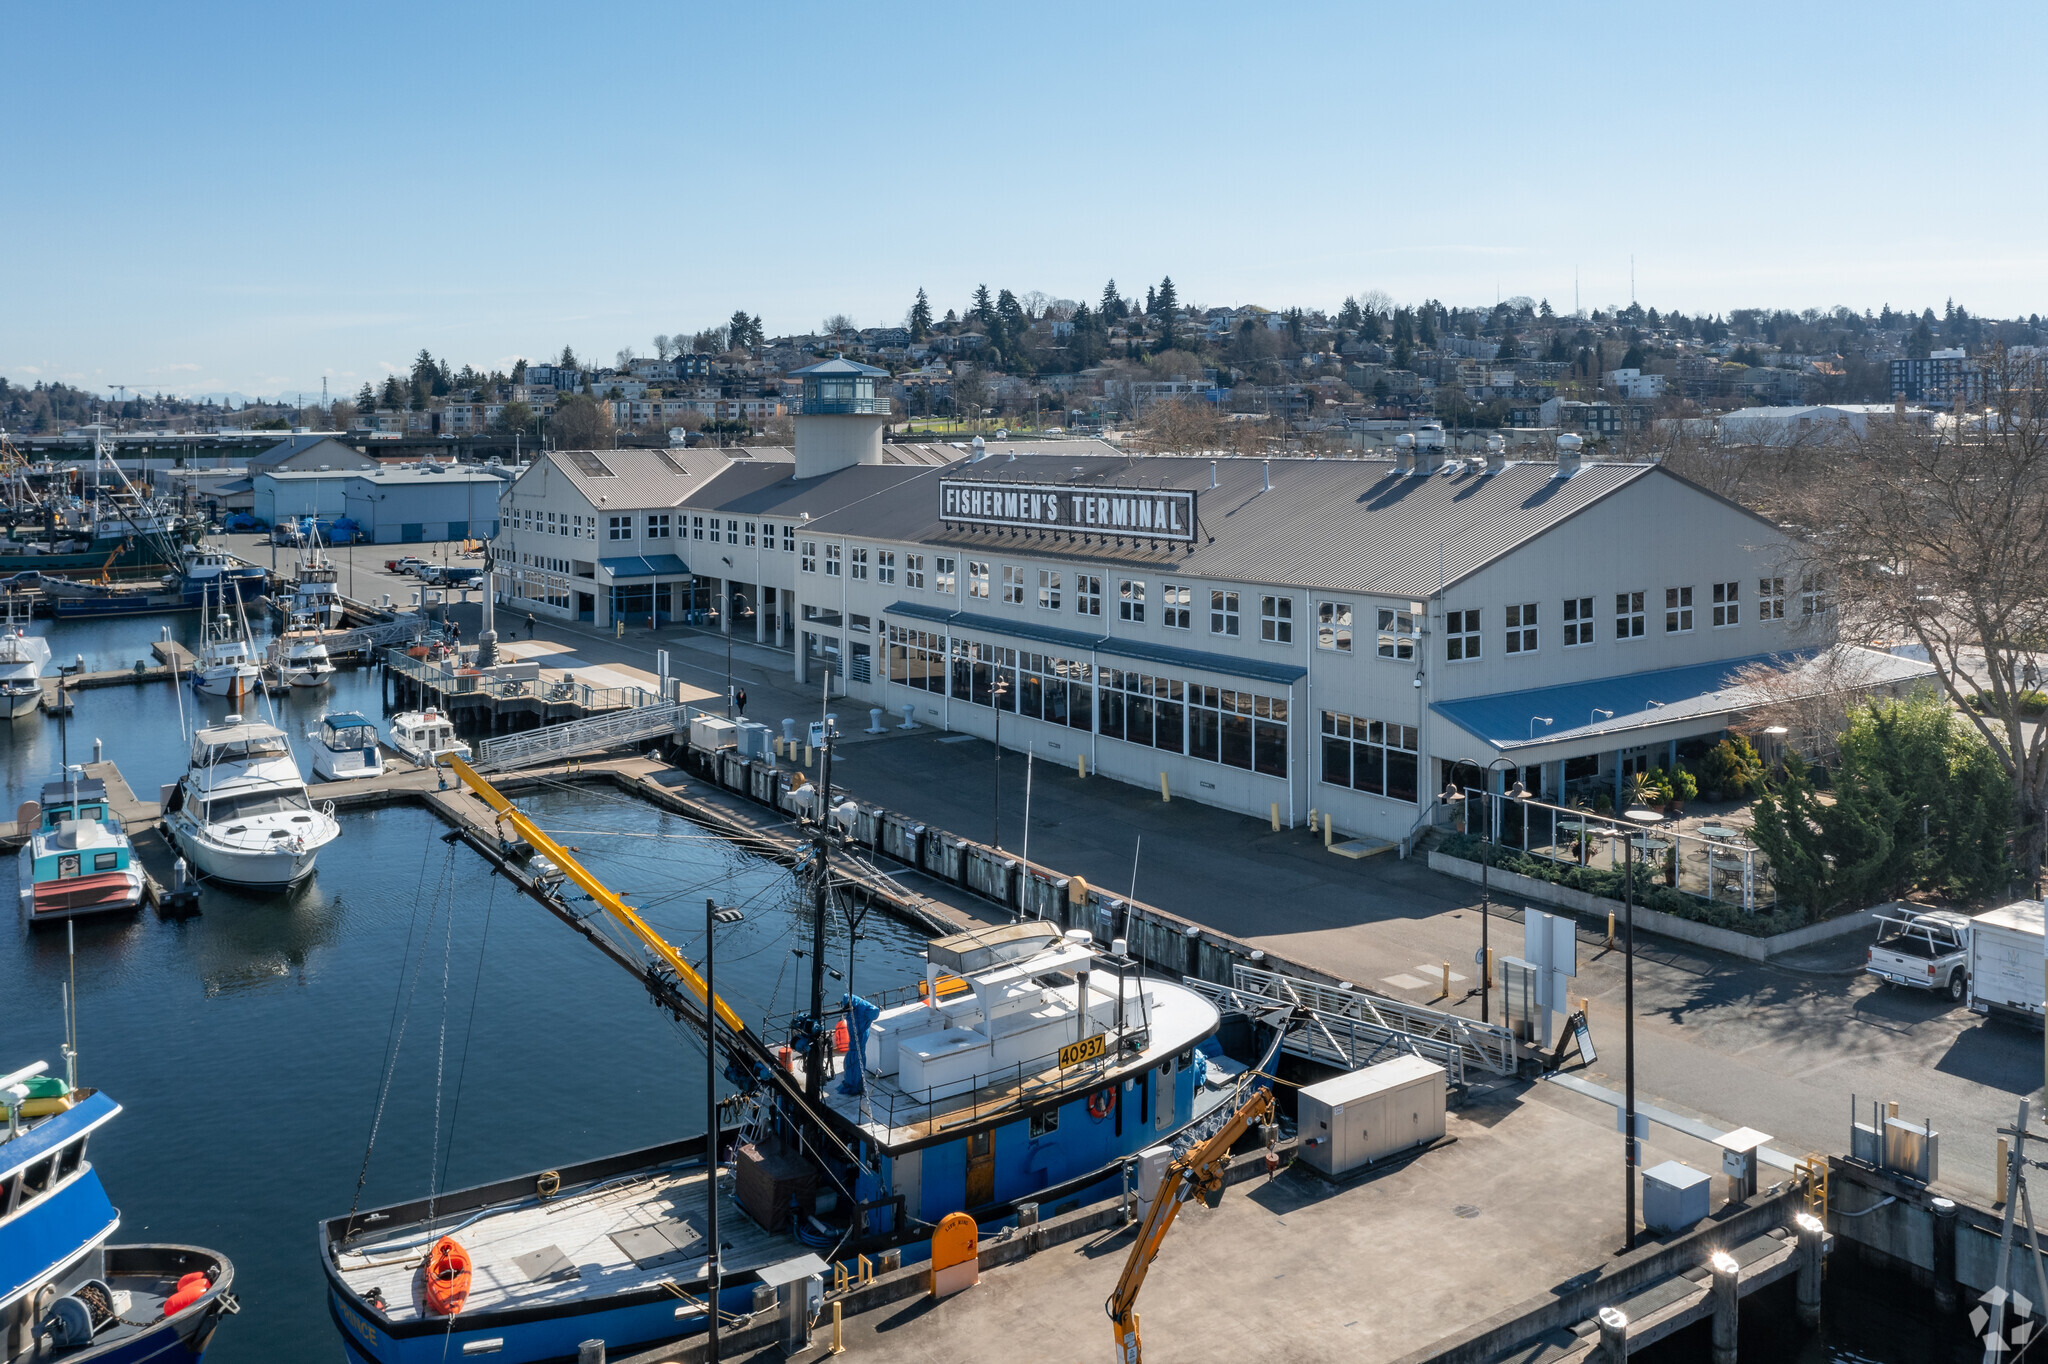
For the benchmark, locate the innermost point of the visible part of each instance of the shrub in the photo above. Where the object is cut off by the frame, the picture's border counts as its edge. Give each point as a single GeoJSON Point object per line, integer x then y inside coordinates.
{"type": "Point", "coordinates": [1731, 768]}
{"type": "Point", "coordinates": [2032, 703]}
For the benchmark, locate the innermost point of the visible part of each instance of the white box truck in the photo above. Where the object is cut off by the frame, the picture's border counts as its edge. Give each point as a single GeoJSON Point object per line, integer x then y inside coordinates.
{"type": "Point", "coordinates": [2006, 965]}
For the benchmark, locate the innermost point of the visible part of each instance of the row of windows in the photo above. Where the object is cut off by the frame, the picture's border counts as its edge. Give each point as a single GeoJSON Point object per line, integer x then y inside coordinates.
{"type": "Point", "coordinates": [1373, 756]}
{"type": "Point", "coordinates": [1464, 631]}
{"type": "Point", "coordinates": [39, 1177]}
{"type": "Point", "coordinates": [1234, 728]}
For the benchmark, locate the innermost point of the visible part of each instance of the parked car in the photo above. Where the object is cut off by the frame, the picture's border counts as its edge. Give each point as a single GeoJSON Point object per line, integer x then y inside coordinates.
{"type": "Point", "coordinates": [410, 564]}
{"type": "Point", "coordinates": [1929, 951]}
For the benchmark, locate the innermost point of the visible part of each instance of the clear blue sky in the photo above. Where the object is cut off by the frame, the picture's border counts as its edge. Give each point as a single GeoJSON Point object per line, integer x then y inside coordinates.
{"type": "Point", "coordinates": [248, 198]}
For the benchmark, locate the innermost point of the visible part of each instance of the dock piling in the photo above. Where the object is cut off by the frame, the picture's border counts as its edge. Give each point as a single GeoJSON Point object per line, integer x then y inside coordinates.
{"type": "Point", "coordinates": [1944, 1210]}
{"type": "Point", "coordinates": [1811, 1236]}
{"type": "Point", "coordinates": [1613, 1337]}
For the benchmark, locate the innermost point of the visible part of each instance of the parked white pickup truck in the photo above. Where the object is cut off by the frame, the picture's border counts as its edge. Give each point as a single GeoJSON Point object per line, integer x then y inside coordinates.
{"type": "Point", "coordinates": [1926, 951]}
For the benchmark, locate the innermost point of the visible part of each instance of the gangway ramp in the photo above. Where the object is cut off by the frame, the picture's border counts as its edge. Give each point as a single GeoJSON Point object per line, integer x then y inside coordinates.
{"type": "Point", "coordinates": [1352, 1028]}
{"type": "Point", "coordinates": [575, 738]}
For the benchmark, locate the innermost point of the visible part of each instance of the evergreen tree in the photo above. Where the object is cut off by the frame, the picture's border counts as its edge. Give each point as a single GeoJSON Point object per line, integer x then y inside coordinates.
{"type": "Point", "coordinates": [1151, 300]}
{"type": "Point", "coordinates": [739, 329]}
{"type": "Point", "coordinates": [1168, 305]}
{"type": "Point", "coordinates": [1920, 342]}
{"type": "Point", "coordinates": [568, 360]}
{"type": "Point", "coordinates": [1510, 349]}
{"type": "Point", "coordinates": [757, 335]}
{"type": "Point", "coordinates": [1350, 317]}
{"type": "Point", "coordinates": [1015, 324]}
{"type": "Point", "coordinates": [366, 399]}
{"type": "Point", "coordinates": [1113, 308]}
{"type": "Point", "coordinates": [920, 317]}
{"type": "Point", "coordinates": [1543, 310]}
{"type": "Point", "coordinates": [519, 371]}
{"type": "Point", "coordinates": [1633, 358]}
{"type": "Point", "coordinates": [393, 396]}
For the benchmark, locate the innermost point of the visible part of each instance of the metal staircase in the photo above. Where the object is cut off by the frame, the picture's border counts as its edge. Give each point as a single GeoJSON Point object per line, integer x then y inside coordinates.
{"type": "Point", "coordinates": [577, 737]}
{"type": "Point", "coordinates": [1350, 1028]}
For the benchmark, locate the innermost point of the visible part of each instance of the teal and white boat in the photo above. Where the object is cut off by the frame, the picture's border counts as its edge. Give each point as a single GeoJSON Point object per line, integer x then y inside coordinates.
{"type": "Point", "coordinates": [78, 861]}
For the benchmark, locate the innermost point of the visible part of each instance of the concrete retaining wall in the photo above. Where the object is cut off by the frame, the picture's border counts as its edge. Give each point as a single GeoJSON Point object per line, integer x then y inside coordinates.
{"type": "Point", "coordinates": [1515, 886]}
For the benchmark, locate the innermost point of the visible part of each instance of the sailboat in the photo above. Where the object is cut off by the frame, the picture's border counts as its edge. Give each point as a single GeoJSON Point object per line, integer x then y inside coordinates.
{"type": "Point", "coordinates": [1027, 1065]}
{"type": "Point", "coordinates": [23, 657]}
{"type": "Point", "coordinates": [226, 665]}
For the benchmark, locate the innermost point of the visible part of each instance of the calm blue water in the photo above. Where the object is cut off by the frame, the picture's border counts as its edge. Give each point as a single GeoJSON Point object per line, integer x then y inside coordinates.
{"type": "Point", "coordinates": [247, 1044]}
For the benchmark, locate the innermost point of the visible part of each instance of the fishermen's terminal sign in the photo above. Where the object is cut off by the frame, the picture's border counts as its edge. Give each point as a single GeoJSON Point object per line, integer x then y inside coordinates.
{"type": "Point", "coordinates": [1144, 513]}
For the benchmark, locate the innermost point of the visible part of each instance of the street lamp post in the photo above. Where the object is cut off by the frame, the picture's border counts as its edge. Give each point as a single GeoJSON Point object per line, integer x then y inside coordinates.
{"type": "Point", "coordinates": [1001, 690]}
{"type": "Point", "coordinates": [1631, 1152]}
{"type": "Point", "coordinates": [1453, 796]}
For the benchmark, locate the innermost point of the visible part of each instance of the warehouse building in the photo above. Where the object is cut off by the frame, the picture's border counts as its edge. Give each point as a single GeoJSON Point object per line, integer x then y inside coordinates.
{"type": "Point", "coordinates": [426, 501]}
{"type": "Point", "coordinates": [1269, 636]}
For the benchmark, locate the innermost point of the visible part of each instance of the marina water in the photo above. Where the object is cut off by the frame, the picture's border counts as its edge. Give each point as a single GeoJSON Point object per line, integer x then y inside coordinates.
{"type": "Point", "coordinates": [247, 1045]}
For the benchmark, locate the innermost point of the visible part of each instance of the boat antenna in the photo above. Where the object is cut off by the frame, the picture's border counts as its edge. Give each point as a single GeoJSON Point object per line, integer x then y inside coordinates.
{"type": "Point", "coordinates": [1029, 754]}
{"type": "Point", "coordinates": [177, 683]}
{"type": "Point", "coordinates": [242, 614]}
{"type": "Point", "coordinates": [714, 1262]}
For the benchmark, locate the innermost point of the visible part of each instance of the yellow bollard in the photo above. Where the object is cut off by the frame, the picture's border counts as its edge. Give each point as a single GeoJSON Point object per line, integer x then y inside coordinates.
{"type": "Point", "coordinates": [2004, 1157]}
{"type": "Point", "coordinates": [807, 755]}
{"type": "Point", "coordinates": [1610, 928]}
{"type": "Point", "coordinates": [1489, 968]}
{"type": "Point", "coordinates": [838, 1345]}
{"type": "Point", "coordinates": [1276, 816]}
{"type": "Point", "coordinates": [1327, 835]}
{"type": "Point", "coordinates": [1081, 763]}
{"type": "Point", "coordinates": [1164, 795]}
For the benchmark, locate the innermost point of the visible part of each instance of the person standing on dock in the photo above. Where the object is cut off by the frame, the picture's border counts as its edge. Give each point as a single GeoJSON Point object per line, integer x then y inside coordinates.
{"type": "Point", "coordinates": [739, 699]}
{"type": "Point", "coordinates": [529, 625]}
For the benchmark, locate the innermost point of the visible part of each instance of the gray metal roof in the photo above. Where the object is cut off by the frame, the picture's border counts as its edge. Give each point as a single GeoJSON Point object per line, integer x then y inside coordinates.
{"type": "Point", "coordinates": [633, 478]}
{"type": "Point", "coordinates": [838, 364]}
{"type": "Point", "coordinates": [1350, 525]}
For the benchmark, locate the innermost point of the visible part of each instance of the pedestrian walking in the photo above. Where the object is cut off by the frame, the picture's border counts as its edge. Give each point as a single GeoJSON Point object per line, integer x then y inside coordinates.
{"type": "Point", "coordinates": [2032, 675]}
{"type": "Point", "coordinates": [529, 625]}
{"type": "Point", "coordinates": [740, 701]}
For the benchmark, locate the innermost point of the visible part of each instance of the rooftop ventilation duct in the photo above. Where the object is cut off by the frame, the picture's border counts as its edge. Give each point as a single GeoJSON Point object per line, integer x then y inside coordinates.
{"type": "Point", "coordinates": [1568, 448]}
{"type": "Point", "coordinates": [1496, 453]}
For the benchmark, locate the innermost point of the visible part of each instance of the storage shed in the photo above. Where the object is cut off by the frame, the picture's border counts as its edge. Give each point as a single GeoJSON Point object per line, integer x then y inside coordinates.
{"type": "Point", "coordinates": [1352, 1120]}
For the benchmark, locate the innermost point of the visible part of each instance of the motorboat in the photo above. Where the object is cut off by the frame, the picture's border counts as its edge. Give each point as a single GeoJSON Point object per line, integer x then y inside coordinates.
{"type": "Point", "coordinates": [316, 594]}
{"type": "Point", "coordinates": [303, 662]}
{"type": "Point", "coordinates": [206, 567]}
{"type": "Point", "coordinates": [425, 737]}
{"type": "Point", "coordinates": [79, 860]}
{"type": "Point", "coordinates": [345, 746]}
{"type": "Point", "coordinates": [240, 814]}
{"type": "Point", "coordinates": [67, 1293]}
{"type": "Point", "coordinates": [226, 666]}
{"type": "Point", "coordinates": [23, 657]}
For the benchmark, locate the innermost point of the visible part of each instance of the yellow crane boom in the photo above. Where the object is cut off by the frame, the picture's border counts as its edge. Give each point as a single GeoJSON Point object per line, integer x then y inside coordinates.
{"type": "Point", "coordinates": [1199, 1173]}
{"type": "Point", "coordinates": [605, 897]}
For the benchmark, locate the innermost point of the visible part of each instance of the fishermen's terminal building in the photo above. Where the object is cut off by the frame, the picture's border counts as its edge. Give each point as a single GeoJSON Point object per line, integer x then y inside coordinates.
{"type": "Point", "coordinates": [1343, 635]}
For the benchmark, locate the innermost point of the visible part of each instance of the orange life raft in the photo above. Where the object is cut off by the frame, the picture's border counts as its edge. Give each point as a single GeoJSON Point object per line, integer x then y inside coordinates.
{"type": "Point", "coordinates": [447, 1273]}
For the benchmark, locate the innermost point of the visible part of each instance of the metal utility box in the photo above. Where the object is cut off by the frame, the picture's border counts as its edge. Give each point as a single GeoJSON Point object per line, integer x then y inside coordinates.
{"type": "Point", "coordinates": [755, 741]}
{"type": "Point", "coordinates": [1352, 1120]}
{"type": "Point", "coordinates": [1912, 1149]}
{"type": "Point", "coordinates": [711, 734]}
{"type": "Point", "coordinates": [1676, 1197]}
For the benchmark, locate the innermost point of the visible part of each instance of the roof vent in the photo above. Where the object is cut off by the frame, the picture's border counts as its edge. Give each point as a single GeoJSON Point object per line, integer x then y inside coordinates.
{"type": "Point", "coordinates": [1212, 473]}
{"type": "Point", "coordinates": [1404, 453]}
{"type": "Point", "coordinates": [1266, 482]}
{"type": "Point", "coordinates": [1496, 453]}
{"type": "Point", "coordinates": [1568, 448]}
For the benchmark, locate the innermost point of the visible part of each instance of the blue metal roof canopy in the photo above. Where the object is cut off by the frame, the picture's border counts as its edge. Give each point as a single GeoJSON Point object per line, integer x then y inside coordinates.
{"type": "Point", "coordinates": [645, 566]}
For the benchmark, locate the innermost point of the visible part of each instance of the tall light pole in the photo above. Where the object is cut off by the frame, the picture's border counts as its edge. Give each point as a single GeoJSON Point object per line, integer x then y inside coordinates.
{"type": "Point", "coordinates": [1000, 691]}
{"type": "Point", "coordinates": [1631, 1152]}
{"type": "Point", "coordinates": [1453, 796]}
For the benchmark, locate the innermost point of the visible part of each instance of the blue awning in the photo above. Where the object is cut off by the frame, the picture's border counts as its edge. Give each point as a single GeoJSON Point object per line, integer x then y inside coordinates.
{"type": "Point", "coordinates": [645, 566]}
{"type": "Point", "coordinates": [1610, 709]}
{"type": "Point", "coordinates": [1284, 674]}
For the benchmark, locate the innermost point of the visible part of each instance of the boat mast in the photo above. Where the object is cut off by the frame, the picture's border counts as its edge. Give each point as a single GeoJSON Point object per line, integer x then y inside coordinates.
{"type": "Point", "coordinates": [814, 1066]}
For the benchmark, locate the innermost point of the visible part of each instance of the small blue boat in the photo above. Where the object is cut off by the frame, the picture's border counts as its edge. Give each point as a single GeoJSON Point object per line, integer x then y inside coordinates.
{"type": "Point", "coordinates": [65, 1293]}
{"type": "Point", "coordinates": [78, 861]}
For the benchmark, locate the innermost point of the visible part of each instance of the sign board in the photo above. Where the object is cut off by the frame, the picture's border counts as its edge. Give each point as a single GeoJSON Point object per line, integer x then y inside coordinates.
{"type": "Point", "coordinates": [1143, 513]}
{"type": "Point", "coordinates": [1552, 945]}
{"type": "Point", "coordinates": [1087, 1049]}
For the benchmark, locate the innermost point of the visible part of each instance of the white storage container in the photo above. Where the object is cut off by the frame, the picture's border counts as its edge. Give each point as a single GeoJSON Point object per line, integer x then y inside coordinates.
{"type": "Point", "coordinates": [2005, 961]}
{"type": "Point", "coordinates": [1352, 1120]}
{"type": "Point", "coordinates": [711, 733]}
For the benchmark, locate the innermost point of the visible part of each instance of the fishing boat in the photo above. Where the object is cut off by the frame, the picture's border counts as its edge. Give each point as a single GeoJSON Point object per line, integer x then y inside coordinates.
{"type": "Point", "coordinates": [23, 657]}
{"type": "Point", "coordinates": [206, 566]}
{"type": "Point", "coordinates": [65, 1293]}
{"type": "Point", "coordinates": [345, 746]}
{"type": "Point", "coordinates": [1028, 1065]}
{"type": "Point", "coordinates": [316, 593]}
{"type": "Point", "coordinates": [424, 737]}
{"type": "Point", "coordinates": [303, 662]}
{"type": "Point", "coordinates": [226, 665]}
{"type": "Point", "coordinates": [240, 814]}
{"type": "Point", "coordinates": [78, 861]}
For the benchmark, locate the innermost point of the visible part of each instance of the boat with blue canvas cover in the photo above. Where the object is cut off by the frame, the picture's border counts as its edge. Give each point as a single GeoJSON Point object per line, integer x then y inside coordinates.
{"type": "Point", "coordinates": [68, 1296]}
{"type": "Point", "coordinates": [345, 746]}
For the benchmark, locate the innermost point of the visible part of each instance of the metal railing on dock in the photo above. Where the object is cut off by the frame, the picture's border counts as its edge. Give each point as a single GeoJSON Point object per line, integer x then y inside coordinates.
{"type": "Point", "coordinates": [453, 682]}
{"type": "Point", "coordinates": [577, 737]}
{"type": "Point", "coordinates": [1350, 1028]}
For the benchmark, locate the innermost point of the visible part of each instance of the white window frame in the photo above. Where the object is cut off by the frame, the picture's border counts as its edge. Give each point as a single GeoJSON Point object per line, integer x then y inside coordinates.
{"type": "Point", "coordinates": [1013, 584]}
{"type": "Point", "coordinates": [1130, 600]}
{"type": "Point", "coordinates": [1578, 622]}
{"type": "Point", "coordinates": [658, 526]}
{"type": "Point", "coordinates": [1813, 596]}
{"type": "Point", "coordinates": [859, 560]}
{"type": "Point", "coordinates": [1396, 634]}
{"type": "Point", "coordinates": [1727, 604]}
{"type": "Point", "coordinates": [1048, 589]}
{"type": "Point", "coordinates": [1276, 619]}
{"type": "Point", "coordinates": [1223, 612]}
{"type": "Point", "coordinates": [808, 561]}
{"type": "Point", "coordinates": [977, 579]}
{"type": "Point", "coordinates": [1678, 610]}
{"type": "Point", "coordinates": [885, 565]}
{"type": "Point", "coordinates": [1333, 627]}
{"type": "Point", "coordinates": [945, 574]}
{"type": "Point", "coordinates": [697, 527]}
{"type": "Point", "coordinates": [1088, 594]}
{"type": "Point", "coordinates": [1770, 599]}
{"type": "Point", "coordinates": [1522, 629]}
{"type": "Point", "coordinates": [1462, 635]}
{"type": "Point", "coordinates": [619, 528]}
{"type": "Point", "coordinates": [788, 537]}
{"type": "Point", "coordinates": [1631, 621]}
{"type": "Point", "coordinates": [913, 570]}
{"type": "Point", "coordinates": [1175, 612]}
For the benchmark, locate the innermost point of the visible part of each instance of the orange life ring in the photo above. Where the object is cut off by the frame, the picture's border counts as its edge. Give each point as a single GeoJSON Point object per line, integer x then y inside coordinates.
{"type": "Point", "coordinates": [1101, 1102]}
{"type": "Point", "coordinates": [447, 1277]}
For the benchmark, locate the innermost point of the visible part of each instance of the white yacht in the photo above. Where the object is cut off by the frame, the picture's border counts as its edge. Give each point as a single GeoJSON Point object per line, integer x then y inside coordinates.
{"type": "Point", "coordinates": [241, 814]}
{"type": "Point", "coordinates": [23, 657]}
{"type": "Point", "coordinates": [316, 594]}
{"type": "Point", "coordinates": [425, 736]}
{"type": "Point", "coordinates": [303, 662]}
{"type": "Point", "coordinates": [226, 666]}
{"type": "Point", "coordinates": [345, 746]}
